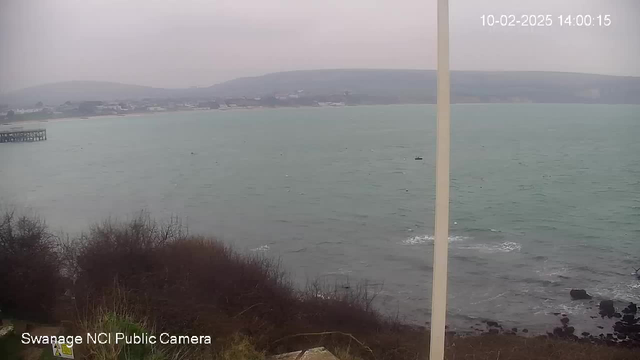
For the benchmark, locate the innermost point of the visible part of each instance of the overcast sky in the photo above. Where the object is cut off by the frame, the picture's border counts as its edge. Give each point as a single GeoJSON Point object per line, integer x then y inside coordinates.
{"type": "Point", "coordinates": [166, 43]}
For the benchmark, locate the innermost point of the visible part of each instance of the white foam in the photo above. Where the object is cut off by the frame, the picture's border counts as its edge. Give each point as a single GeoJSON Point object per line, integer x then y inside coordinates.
{"type": "Point", "coordinates": [261, 248]}
{"type": "Point", "coordinates": [505, 247]}
{"type": "Point", "coordinates": [421, 239]}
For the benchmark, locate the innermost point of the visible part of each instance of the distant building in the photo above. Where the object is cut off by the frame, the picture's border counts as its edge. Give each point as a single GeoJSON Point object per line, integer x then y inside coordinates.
{"type": "Point", "coordinates": [25, 111]}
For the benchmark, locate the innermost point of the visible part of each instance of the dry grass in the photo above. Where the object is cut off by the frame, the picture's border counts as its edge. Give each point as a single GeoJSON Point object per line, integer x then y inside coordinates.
{"type": "Point", "coordinates": [509, 347]}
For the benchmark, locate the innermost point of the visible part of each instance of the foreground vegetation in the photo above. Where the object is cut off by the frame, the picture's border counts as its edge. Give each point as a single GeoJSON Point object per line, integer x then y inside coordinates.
{"type": "Point", "coordinates": [143, 277]}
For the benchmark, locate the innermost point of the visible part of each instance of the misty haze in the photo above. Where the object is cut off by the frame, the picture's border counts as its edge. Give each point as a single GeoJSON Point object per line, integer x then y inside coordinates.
{"type": "Point", "coordinates": [253, 178]}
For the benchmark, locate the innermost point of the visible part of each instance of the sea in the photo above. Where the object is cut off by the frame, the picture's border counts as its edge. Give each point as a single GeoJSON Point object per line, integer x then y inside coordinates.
{"type": "Point", "coordinates": [544, 198]}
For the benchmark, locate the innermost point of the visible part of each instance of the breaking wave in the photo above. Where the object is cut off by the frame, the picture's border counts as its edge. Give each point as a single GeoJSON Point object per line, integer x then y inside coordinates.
{"type": "Point", "coordinates": [504, 247]}
{"type": "Point", "coordinates": [421, 239]}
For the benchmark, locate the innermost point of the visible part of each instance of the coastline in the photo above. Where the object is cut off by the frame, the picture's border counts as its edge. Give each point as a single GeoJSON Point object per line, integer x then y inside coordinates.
{"type": "Point", "coordinates": [90, 117]}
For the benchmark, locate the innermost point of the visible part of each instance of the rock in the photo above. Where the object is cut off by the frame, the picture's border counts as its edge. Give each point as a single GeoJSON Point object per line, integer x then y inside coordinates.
{"type": "Point", "coordinates": [493, 331]}
{"type": "Point", "coordinates": [585, 334]}
{"type": "Point", "coordinates": [564, 321]}
{"type": "Point", "coordinates": [579, 294]}
{"type": "Point", "coordinates": [607, 309]}
{"type": "Point", "coordinates": [515, 330]}
{"type": "Point", "coordinates": [319, 353]}
{"type": "Point", "coordinates": [493, 324]}
{"type": "Point", "coordinates": [617, 315]}
{"type": "Point", "coordinates": [629, 319]}
{"type": "Point", "coordinates": [525, 331]}
{"type": "Point", "coordinates": [631, 309]}
{"type": "Point", "coordinates": [559, 332]}
{"type": "Point", "coordinates": [569, 330]}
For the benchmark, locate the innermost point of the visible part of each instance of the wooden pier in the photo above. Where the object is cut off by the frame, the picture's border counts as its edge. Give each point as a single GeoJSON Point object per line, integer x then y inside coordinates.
{"type": "Point", "coordinates": [23, 135]}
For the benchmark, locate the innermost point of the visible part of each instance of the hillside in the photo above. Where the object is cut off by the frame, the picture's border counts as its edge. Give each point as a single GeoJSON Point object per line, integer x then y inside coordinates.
{"type": "Point", "coordinates": [402, 86]}
{"type": "Point", "coordinates": [58, 93]}
{"type": "Point", "coordinates": [420, 85]}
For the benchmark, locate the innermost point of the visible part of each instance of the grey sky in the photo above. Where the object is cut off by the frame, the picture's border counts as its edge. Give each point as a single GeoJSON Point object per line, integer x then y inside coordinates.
{"type": "Point", "coordinates": [183, 43]}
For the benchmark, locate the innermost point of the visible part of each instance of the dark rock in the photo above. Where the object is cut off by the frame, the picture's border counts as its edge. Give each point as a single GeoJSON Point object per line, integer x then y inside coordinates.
{"type": "Point", "coordinates": [585, 334]}
{"type": "Point", "coordinates": [629, 319]}
{"type": "Point", "coordinates": [569, 330]}
{"type": "Point", "coordinates": [558, 332]}
{"type": "Point", "coordinates": [564, 321]}
{"type": "Point", "coordinates": [617, 315]}
{"type": "Point", "coordinates": [493, 324]}
{"type": "Point", "coordinates": [625, 328]}
{"type": "Point", "coordinates": [631, 309]}
{"type": "Point", "coordinates": [525, 331]}
{"type": "Point", "coordinates": [556, 314]}
{"type": "Point", "coordinates": [515, 330]}
{"type": "Point", "coordinates": [600, 327]}
{"type": "Point", "coordinates": [493, 331]}
{"type": "Point", "coordinates": [418, 158]}
{"type": "Point", "coordinates": [564, 315]}
{"type": "Point", "coordinates": [579, 294]}
{"type": "Point", "coordinates": [607, 309]}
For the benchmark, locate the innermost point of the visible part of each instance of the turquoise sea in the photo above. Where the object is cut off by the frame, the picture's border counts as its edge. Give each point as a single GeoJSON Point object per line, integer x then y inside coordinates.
{"type": "Point", "coordinates": [545, 198]}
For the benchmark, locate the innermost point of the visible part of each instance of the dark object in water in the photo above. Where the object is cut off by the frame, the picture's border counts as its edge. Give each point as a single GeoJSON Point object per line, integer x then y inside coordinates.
{"type": "Point", "coordinates": [579, 294]}
{"type": "Point", "coordinates": [631, 309]}
{"type": "Point", "coordinates": [607, 309]}
{"type": "Point", "coordinates": [493, 324]}
{"type": "Point", "coordinates": [418, 158]}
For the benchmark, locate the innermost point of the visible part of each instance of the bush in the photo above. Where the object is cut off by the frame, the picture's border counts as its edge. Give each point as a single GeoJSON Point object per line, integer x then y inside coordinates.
{"type": "Point", "coordinates": [196, 285]}
{"type": "Point", "coordinates": [239, 348]}
{"type": "Point", "coordinates": [115, 315]}
{"type": "Point", "coordinates": [30, 280]}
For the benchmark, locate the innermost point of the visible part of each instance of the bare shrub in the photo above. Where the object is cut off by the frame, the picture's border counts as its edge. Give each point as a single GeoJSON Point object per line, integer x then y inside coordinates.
{"type": "Point", "coordinates": [29, 268]}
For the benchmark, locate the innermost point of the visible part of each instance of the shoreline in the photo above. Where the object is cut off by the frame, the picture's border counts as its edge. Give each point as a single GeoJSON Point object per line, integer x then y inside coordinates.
{"type": "Point", "coordinates": [70, 118]}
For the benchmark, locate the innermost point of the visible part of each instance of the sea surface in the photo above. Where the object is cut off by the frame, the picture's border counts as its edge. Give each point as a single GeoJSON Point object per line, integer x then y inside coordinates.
{"type": "Point", "coordinates": [544, 198]}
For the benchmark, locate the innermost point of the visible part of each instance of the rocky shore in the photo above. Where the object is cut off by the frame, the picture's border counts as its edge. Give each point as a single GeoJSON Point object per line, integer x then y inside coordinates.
{"type": "Point", "coordinates": [625, 332]}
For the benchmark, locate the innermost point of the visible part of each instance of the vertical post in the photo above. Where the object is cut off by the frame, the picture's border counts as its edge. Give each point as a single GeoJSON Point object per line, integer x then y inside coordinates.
{"type": "Point", "coordinates": [441, 241]}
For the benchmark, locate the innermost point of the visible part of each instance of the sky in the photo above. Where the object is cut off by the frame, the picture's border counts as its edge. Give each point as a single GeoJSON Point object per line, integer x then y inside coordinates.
{"type": "Point", "coordinates": [183, 43]}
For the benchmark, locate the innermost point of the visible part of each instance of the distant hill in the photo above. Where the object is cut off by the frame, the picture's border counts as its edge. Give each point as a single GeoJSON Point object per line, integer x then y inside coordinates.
{"type": "Point", "coordinates": [474, 86]}
{"type": "Point", "coordinates": [58, 93]}
{"type": "Point", "coordinates": [404, 86]}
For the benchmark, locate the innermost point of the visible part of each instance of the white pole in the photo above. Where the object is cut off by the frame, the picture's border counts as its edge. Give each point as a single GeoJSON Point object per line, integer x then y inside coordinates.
{"type": "Point", "coordinates": [441, 241]}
